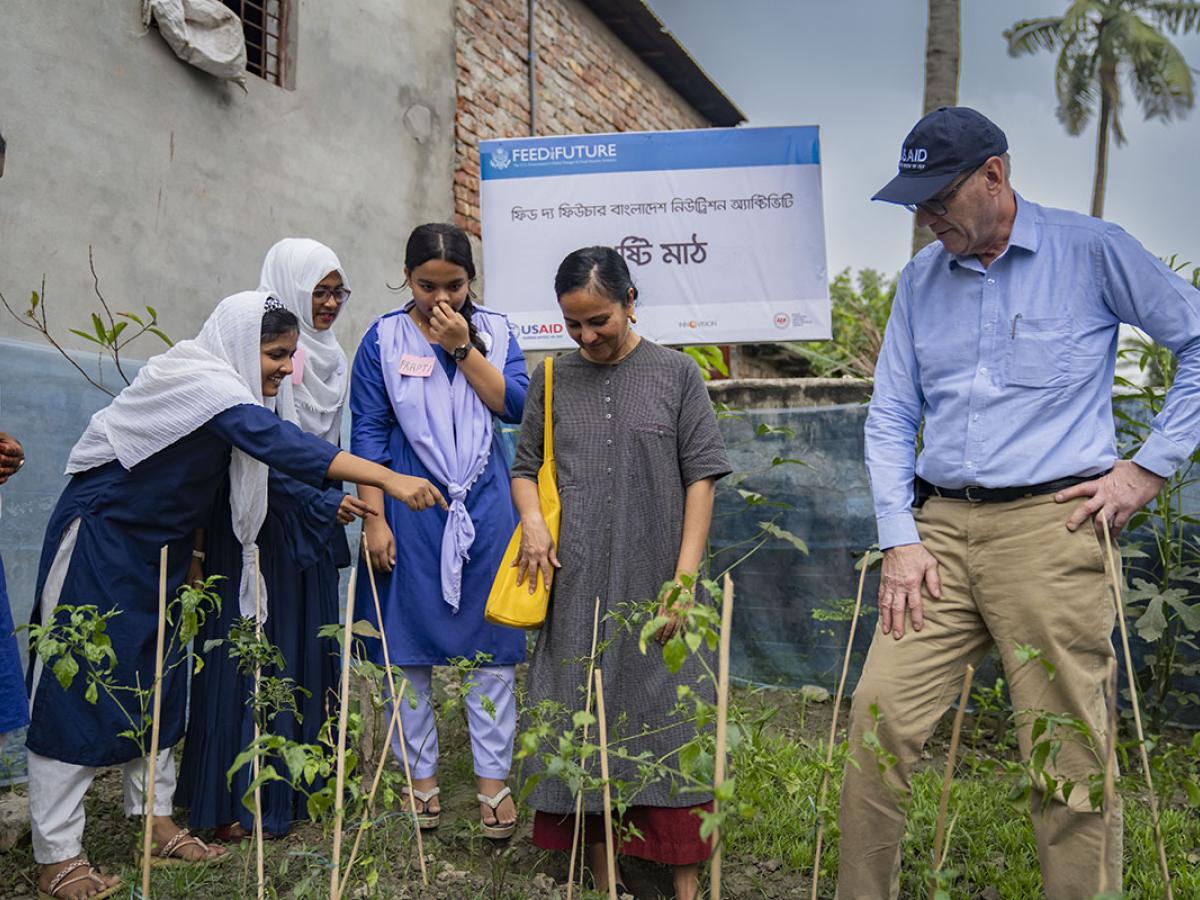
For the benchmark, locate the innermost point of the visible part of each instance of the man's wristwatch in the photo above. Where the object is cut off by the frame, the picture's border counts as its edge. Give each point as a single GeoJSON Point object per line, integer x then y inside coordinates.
{"type": "Point", "coordinates": [460, 353]}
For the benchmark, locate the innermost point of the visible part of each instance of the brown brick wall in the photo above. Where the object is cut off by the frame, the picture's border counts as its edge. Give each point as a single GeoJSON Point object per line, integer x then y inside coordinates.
{"type": "Point", "coordinates": [587, 83]}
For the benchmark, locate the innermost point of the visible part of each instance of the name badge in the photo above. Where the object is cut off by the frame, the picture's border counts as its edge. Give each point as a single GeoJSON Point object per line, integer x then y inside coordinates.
{"type": "Point", "coordinates": [298, 366]}
{"type": "Point", "coordinates": [416, 366]}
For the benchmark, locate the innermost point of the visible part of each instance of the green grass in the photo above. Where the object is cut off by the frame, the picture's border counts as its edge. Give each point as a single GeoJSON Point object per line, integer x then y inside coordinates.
{"type": "Point", "coordinates": [992, 843]}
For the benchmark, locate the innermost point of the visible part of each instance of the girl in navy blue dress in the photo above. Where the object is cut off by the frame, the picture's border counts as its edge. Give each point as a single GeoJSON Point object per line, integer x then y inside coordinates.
{"type": "Point", "coordinates": [427, 383]}
{"type": "Point", "coordinates": [144, 474]}
{"type": "Point", "coordinates": [304, 544]}
{"type": "Point", "coordinates": [14, 710]}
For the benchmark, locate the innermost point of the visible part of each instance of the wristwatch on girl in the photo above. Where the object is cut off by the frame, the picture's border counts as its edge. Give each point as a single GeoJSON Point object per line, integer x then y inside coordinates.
{"type": "Point", "coordinates": [460, 353]}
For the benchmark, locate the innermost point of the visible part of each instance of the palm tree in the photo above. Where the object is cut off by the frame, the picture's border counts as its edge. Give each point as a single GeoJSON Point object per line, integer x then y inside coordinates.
{"type": "Point", "coordinates": [941, 74]}
{"type": "Point", "coordinates": [1098, 42]}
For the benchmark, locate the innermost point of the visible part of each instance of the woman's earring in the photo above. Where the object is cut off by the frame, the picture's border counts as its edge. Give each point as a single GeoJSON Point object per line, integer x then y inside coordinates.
{"type": "Point", "coordinates": [633, 318]}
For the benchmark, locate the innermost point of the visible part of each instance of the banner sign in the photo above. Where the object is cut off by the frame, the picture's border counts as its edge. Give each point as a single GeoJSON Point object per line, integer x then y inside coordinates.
{"type": "Point", "coordinates": [722, 229]}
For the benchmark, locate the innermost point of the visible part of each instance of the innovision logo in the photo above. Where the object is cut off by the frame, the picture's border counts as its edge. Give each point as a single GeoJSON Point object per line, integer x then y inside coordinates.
{"type": "Point", "coordinates": [500, 159]}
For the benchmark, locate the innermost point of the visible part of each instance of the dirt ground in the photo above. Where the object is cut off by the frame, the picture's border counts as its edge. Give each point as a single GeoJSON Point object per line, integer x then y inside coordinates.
{"type": "Point", "coordinates": [462, 864]}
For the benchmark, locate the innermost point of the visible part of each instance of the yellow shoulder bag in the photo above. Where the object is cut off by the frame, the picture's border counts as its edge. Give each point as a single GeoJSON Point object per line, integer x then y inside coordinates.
{"type": "Point", "coordinates": [510, 603]}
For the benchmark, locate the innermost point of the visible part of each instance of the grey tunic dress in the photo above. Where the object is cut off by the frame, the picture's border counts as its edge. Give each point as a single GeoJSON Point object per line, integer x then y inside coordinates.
{"type": "Point", "coordinates": [628, 440]}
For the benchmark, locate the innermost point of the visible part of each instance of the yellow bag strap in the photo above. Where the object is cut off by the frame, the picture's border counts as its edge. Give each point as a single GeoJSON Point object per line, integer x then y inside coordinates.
{"type": "Point", "coordinates": [548, 426]}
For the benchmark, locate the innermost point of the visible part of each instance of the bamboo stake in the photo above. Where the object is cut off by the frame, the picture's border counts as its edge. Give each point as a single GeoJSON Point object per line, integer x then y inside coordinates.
{"type": "Point", "coordinates": [722, 726]}
{"type": "Point", "coordinates": [948, 778]}
{"type": "Point", "coordinates": [370, 805]}
{"type": "Point", "coordinates": [152, 762]}
{"type": "Point", "coordinates": [1137, 713]}
{"type": "Point", "coordinates": [602, 728]}
{"type": "Point", "coordinates": [343, 713]}
{"type": "Point", "coordinates": [1110, 772]}
{"type": "Point", "coordinates": [391, 678]}
{"type": "Point", "coordinates": [837, 706]}
{"type": "Point", "coordinates": [258, 825]}
{"type": "Point", "coordinates": [575, 839]}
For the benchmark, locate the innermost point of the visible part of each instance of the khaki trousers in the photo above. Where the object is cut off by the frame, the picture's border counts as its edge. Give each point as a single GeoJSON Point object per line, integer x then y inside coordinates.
{"type": "Point", "coordinates": [1011, 574]}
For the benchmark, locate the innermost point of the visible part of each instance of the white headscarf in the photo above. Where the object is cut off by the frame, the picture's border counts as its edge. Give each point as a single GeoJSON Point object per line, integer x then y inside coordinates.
{"type": "Point", "coordinates": [293, 267]}
{"type": "Point", "coordinates": [176, 393]}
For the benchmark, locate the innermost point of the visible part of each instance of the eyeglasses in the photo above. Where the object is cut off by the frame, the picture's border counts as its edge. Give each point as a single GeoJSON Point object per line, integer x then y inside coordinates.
{"type": "Point", "coordinates": [936, 206]}
{"type": "Point", "coordinates": [322, 294]}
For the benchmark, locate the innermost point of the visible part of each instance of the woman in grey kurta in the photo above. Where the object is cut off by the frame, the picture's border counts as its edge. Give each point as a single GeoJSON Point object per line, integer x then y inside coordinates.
{"type": "Point", "coordinates": [638, 454]}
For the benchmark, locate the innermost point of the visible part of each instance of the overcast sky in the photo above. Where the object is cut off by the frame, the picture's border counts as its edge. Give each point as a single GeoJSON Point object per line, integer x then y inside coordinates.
{"type": "Point", "coordinates": [856, 69]}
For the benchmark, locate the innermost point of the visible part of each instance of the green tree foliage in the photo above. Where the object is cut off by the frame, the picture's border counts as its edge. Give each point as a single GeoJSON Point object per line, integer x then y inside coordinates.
{"type": "Point", "coordinates": [860, 309]}
{"type": "Point", "coordinates": [1102, 42]}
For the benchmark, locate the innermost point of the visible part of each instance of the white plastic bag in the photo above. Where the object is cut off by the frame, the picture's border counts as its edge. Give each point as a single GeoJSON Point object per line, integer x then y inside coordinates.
{"type": "Point", "coordinates": [204, 33]}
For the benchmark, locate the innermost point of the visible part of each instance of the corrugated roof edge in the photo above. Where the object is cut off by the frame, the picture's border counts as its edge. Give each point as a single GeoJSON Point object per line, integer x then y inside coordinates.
{"type": "Point", "coordinates": [636, 25]}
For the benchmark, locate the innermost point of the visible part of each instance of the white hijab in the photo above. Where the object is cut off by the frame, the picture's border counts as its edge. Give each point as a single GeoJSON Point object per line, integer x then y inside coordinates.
{"type": "Point", "coordinates": [293, 267]}
{"type": "Point", "coordinates": [176, 393]}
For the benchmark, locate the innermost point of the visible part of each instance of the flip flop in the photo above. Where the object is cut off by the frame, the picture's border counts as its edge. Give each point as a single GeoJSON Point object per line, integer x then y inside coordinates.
{"type": "Point", "coordinates": [166, 856]}
{"type": "Point", "coordinates": [496, 832]}
{"type": "Point", "coordinates": [60, 881]}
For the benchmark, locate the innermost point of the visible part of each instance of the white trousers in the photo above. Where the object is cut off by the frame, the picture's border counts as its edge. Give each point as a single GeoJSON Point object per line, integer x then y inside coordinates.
{"type": "Point", "coordinates": [57, 789]}
{"type": "Point", "coordinates": [491, 735]}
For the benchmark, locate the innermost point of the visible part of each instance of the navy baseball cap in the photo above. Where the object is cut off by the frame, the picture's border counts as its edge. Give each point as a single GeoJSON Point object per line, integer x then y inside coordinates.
{"type": "Point", "coordinates": [947, 142]}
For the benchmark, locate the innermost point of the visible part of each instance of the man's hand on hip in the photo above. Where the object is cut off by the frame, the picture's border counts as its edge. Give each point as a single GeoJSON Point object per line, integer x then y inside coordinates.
{"type": "Point", "coordinates": [1115, 496]}
{"type": "Point", "coordinates": [905, 568]}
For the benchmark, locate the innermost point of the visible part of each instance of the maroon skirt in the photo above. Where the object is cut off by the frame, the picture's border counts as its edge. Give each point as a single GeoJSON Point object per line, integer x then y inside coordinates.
{"type": "Point", "coordinates": [668, 836]}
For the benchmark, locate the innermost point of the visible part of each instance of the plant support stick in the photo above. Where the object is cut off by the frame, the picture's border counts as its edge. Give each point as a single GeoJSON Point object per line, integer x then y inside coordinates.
{"type": "Point", "coordinates": [152, 762]}
{"type": "Point", "coordinates": [602, 728]}
{"type": "Point", "coordinates": [837, 706]}
{"type": "Point", "coordinates": [579, 797]}
{"type": "Point", "coordinates": [722, 726]}
{"type": "Point", "coordinates": [370, 804]}
{"type": "Point", "coordinates": [258, 825]}
{"type": "Point", "coordinates": [343, 713]}
{"type": "Point", "coordinates": [391, 678]}
{"type": "Point", "coordinates": [1137, 713]}
{"type": "Point", "coordinates": [944, 803]}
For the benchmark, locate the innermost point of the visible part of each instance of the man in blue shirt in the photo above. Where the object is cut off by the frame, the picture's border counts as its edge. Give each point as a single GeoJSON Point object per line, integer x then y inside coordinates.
{"type": "Point", "coordinates": [1000, 352]}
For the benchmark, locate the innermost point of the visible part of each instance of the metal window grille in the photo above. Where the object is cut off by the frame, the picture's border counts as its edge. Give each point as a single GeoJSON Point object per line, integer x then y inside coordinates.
{"type": "Point", "coordinates": [264, 22]}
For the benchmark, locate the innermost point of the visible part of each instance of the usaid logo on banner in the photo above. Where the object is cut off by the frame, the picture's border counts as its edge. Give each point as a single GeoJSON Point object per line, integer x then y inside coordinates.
{"type": "Point", "coordinates": [500, 159]}
{"type": "Point", "coordinates": [913, 157]}
{"type": "Point", "coordinates": [542, 331]}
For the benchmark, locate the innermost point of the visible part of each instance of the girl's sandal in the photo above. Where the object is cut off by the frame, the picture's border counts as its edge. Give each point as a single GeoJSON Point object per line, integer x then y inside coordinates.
{"type": "Point", "coordinates": [166, 856]}
{"type": "Point", "coordinates": [60, 881]}
{"type": "Point", "coordinates": [426, 821]}
{"type": "Point", "coordinates": [496, 832]}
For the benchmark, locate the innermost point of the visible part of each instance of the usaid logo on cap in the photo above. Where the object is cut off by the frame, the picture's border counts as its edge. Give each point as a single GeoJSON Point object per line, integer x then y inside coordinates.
{"type": "Point", "coordinates": [913, 157]}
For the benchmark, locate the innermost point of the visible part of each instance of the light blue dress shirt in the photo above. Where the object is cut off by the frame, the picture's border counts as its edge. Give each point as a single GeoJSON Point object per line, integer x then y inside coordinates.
{"type": "Point", "coordinates": [1011, 367]}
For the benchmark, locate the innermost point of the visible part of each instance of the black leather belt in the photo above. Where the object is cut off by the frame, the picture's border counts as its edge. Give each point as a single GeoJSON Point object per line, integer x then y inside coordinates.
{"type": "Point", "coordinates": [975, 494]}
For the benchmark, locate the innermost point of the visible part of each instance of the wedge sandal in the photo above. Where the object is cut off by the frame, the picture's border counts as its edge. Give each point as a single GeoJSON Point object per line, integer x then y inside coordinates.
{"type": "Point", "coordinates": [496, 832]}
{"type": "Point", "coordinates": [426, 820]}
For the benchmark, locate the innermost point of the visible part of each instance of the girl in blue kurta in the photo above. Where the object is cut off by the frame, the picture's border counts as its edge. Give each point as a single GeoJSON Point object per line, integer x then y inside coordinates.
{"type": "Point", "coordinates": [426, 384]}
{"type": "Point", "coordinates": [144, 474]}
{"type": "Point", "coordinates": [303, 546]}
